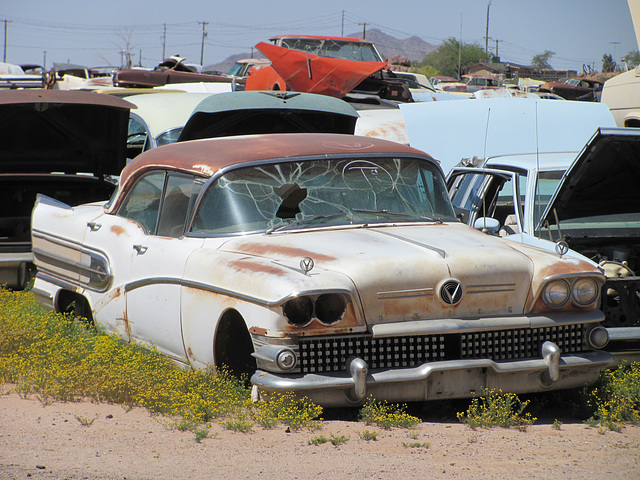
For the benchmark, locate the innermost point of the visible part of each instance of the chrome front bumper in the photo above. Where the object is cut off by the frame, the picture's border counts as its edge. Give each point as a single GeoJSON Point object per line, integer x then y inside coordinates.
{"type": "Point", "coordinates": [439, 380]}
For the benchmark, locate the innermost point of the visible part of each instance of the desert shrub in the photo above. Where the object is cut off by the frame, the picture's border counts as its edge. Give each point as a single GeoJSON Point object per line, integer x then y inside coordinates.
{"type": "Point", "coordinates": [616, 397]}
{"type": "Point", "coordinates": [496, 409]}
{"type": "Point", "coordinates": [386, 415]}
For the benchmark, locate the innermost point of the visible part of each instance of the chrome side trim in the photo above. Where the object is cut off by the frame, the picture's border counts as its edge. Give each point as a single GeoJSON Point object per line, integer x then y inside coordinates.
{"type": "Point", "coordinates": [393, 294]}
{"type": "Point", "coordinates": [439, 251]}
{"type": "Point", "coordinates": [256, 300]}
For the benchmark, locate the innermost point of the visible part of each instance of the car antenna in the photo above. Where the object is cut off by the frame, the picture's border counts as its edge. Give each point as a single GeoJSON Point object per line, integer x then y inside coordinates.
{"type": "Point", "coordinates": [537, 192]}
{"type": "Point", "coordinates": [484, 155]}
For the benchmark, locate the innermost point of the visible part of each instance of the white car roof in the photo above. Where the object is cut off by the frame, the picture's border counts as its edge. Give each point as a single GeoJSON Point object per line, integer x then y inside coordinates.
{"type": "Point", "coordinates": [165, 111]}
{"type": "Point", "coordinates": [531, 161]}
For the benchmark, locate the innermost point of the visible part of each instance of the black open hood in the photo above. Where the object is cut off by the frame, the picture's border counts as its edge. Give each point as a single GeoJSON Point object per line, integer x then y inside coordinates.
{"type": "Point", "coordinates": [61, 131]}
{"type": "Point", "coordinates": [252, 112]}
{"type": "Point", "coordinates": [604, 179]}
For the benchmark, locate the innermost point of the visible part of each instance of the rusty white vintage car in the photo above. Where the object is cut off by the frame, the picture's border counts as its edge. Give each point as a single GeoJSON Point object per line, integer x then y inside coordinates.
{"type": "Point", "coordinates": [325, 264]}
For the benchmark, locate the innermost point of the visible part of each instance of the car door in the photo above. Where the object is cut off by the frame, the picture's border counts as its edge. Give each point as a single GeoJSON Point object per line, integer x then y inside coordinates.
{"type": "Point", "coordinates": [160, 202]}
{"type": "Point", "coordinates": [477, 193]}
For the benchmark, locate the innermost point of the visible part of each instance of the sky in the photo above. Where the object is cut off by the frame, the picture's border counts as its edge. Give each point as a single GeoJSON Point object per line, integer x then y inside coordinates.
{"type": "Point", "coordinates": [90, 33]}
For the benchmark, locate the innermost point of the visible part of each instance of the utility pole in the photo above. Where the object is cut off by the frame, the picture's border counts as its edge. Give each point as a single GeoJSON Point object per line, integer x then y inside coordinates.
{"type": "Point", "coordinates": [497, 54]}
{"type": "Point", "coordinates": [204, 35]}
{"type": "Point", "coordinates": [486, 37]}
{"type": "Point", "coordinates": [6, 22]}
{"type": "Point", "coordinates": [460, 49]}
{"type": "Point", "coordinates": [614, 50]}
{"type": "Point", "coordinates": [342, 34]}
{"type": "Point", "coordinates": [364, 30]}
{"type": "Point", "coordinates": [164, 41]}
{"type": "Point", "coordinates": [44, 63]}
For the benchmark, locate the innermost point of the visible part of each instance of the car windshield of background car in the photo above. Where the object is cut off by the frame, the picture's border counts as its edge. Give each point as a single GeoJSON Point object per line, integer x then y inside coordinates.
{"type": "Point", "coordinates": [363, 52]}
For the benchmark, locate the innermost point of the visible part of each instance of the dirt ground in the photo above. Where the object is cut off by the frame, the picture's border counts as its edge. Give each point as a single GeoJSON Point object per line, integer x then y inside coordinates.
{"type": "Point", "coordinates": [50, 442]}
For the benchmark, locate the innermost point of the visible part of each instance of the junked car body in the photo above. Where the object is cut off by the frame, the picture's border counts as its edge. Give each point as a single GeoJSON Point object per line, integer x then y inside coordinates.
{"type": "Point", "coordinates": [334, 66]}
{"type": "Point", "coordinates": [508, 193]}
{"type": "Point", "coordinates": [68, 145]}
{"type": "Point", "coordinates": [165, 118]}
{"type": "Point", "coordinates": [328, 265]}
{"type": "Point", "coordinates": [588, 201]}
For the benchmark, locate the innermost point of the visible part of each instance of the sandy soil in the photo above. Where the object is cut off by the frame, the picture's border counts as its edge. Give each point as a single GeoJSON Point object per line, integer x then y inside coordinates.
{"type": "Point", "coordinates": [50, 442]}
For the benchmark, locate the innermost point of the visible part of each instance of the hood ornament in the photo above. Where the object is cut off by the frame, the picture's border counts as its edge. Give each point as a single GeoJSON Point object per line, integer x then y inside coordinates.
{"type": "Point", "coordinates": [562, 248]}
{"type": "Point", "coordinates": [307, 264]}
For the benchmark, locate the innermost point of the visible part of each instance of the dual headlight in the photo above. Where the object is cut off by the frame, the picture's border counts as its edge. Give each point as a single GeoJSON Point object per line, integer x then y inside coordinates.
{"type": "Point", "coordinates": [580, 291]}
{"type": "Point", "coordinates": [328, 308]}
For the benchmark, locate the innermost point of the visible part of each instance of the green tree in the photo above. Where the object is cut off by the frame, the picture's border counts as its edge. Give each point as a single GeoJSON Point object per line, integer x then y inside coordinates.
{"type": "Point", "coordinates": [426, 70]}
{"type": "Point", "coordinates": [608, 64]}
{"type": "Point", "coordinates": [632, 58]}
{"type": "Point", "coordinates": [541, 60]}
{"type": "Point", "coordinates": [445, 58]}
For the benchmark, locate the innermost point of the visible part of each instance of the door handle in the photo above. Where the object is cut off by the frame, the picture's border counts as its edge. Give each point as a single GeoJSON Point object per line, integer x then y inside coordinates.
{"type": "Point", "coordinates": [93, 226]}
{"type": "Point", "coordinates": [141, 249]}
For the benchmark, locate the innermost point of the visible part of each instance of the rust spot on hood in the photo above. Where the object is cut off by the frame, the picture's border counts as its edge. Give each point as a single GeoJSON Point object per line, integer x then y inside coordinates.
{"type": "Point", "coordinates": [259, 249]}
{"type": "Point", "coordinates": [566, 266]}
{"type": "Point", "coordinates": [246, 265]}
{"type": "Point", "coordinates": [258, 331]}
{"type": "Point", "coordinates": [118, 230]}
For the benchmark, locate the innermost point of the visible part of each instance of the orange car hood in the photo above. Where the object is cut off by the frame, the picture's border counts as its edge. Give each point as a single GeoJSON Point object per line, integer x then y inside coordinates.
{"type": "Point", "coordinates": [304, 72]}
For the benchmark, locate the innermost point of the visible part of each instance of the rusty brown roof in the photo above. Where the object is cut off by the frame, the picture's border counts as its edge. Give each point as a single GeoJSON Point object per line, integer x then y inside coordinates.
{"type": "Point", "coordinates": [8, 97]}
{"type": "Point", "coordinates": [206, 157]}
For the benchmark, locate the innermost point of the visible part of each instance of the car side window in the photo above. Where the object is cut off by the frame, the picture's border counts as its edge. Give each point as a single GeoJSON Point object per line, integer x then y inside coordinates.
{"type": "Point", "coordinates": [137, 138]}
{"type": "Point", "coordinates": [177, 203]}
{"type": "Point", "coordinates": [143, 202]}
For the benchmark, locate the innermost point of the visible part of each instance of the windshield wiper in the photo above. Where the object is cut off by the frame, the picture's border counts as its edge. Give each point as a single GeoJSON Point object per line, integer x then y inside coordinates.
{"type": "Point", "coordinates": [396, 214]}
{"type": "Point", "coordinates": [306, 220]}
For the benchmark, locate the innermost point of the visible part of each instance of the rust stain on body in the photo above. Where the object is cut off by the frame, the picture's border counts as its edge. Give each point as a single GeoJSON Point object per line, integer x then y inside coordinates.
{"type": "Point", "coordinates": [245, 265]}
{"type": "Point", "coordinates": [117, 229]}
{"type": "Point", "coordinates": [264, 250]}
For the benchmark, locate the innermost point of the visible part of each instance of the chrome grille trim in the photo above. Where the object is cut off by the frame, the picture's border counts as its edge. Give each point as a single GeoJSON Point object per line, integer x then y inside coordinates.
{"type": "Point", "coordinates": [330, 354]}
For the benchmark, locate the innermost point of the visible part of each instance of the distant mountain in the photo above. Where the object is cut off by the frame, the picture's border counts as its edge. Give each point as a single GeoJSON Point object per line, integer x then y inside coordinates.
{"type": "Point", "coordinates": [413, 48]}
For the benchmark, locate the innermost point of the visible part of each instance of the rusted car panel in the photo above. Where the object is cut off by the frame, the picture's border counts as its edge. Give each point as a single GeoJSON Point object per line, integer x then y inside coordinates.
{"type": "Point", "coordinates": [574, 88]}
{"type": "Point", "coordinates": [69, 145]}
{"type": "Point", "coordinates": [331, 265]}
{"type": "Point", "coordinates": [334, 66]}
{"type": "Point", "coordinates": [588, 200]}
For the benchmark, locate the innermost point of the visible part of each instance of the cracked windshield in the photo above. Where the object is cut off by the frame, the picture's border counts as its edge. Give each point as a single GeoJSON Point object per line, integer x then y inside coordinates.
{"type": "Point", "coordinates": [323, 192]}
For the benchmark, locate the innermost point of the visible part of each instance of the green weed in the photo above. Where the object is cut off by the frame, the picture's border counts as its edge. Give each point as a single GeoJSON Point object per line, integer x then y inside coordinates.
{"type": "Point", "coordinates": [497, 409]}
{"type": "Point", "coordinates": [386, 415]}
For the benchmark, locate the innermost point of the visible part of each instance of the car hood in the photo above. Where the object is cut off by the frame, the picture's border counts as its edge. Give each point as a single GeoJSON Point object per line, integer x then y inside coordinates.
{"type": "Point", "coordinates": [306, 72]}
{"type": "Point", "coordinates": [602, 180]}
{"type": "Point", "coordinates": [63, 131]}
{"type": "Point", "coordinates": [396, 272]}
{"type": "Point", "coordinates": [245, 113]}
{"type": "Point", "coordinates": [501, 126]}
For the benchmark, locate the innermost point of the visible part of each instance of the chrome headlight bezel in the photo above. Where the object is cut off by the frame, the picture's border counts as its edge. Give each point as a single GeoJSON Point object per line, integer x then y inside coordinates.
{"type": "Point", "coordinates": [556, 293]}
{"type": "Point", "coordinates": [580, 290]}
{"type": "Point", "coordinates": [582, 286]}
{"type": "Point", "coordinates": [328, 308]}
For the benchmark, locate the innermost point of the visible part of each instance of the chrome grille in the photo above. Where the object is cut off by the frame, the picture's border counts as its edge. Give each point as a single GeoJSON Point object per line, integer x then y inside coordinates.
{"type": "Point", "coordinates": [330, 354]}
{"type": "Point", "coordinates": [520, 343]}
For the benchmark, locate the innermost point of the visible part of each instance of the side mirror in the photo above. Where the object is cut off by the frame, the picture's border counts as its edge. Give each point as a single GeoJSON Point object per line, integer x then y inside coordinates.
{"type": "Point", "coordinates": [487, 225]}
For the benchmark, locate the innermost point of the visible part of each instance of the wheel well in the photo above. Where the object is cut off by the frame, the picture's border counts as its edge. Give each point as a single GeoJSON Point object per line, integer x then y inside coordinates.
{"type": "Point", "coordinates": [232, 346]}
{"type": "Point", "coordinates": [74, 304]}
